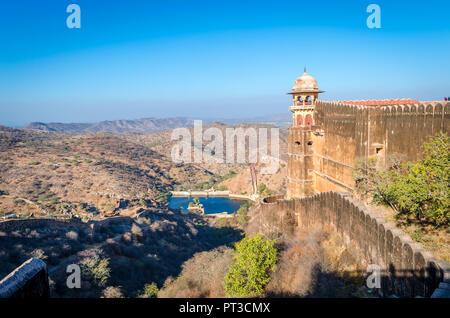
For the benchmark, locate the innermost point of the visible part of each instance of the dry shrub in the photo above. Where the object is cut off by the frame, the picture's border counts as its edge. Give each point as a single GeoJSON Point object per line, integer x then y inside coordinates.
{"type": "Point", "coordinates": [202, 276]}
{"type": "Point", "coordinates": [136, 230]}
{"type": "Point", "coordinates": [112, 292]}
{"type": "Point", "coordinates": [297, 261]}
{"type": "Point", "coordinates": [72, 235]}
{"type": "Point", "coordinates": [127, 237]}
{"type": "Point", "coordinates": [315, 263]}
{"type": "Point", "coordinates": [341, 261]}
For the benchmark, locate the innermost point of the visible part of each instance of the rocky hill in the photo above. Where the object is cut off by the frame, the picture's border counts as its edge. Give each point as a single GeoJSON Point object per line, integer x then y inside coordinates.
{"type": "Point", "coordinates": [163, 143]}
{"type": "Point", "coordinates": [45, 173]}
{"type": "Point", "coordinates": [137, 126]}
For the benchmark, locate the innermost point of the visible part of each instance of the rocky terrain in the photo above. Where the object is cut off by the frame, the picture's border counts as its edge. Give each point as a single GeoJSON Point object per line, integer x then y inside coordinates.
{"type": "Point", "coordinates": [138, 126]}
{"type": "Point", "coordinates": [51, 174]}
{"type": "Point", "coordinates": [100, 200]}
{"type": "Point", "coordinates": [239, 180]}
{"type": "Point", "coordinates": [119, 255]}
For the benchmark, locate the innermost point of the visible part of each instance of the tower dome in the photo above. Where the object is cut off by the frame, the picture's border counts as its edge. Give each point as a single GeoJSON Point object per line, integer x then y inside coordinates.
{"type": "Point", "coordinates": [305, 82]}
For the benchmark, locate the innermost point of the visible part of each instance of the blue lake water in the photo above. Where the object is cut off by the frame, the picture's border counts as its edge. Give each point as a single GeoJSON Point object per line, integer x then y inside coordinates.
{"type": "Point", "coordinates": [211, 205]}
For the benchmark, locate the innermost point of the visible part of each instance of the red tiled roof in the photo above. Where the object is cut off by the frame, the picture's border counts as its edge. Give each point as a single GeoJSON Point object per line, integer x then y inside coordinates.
{"type": "Point", "coordinates": [381, 102]}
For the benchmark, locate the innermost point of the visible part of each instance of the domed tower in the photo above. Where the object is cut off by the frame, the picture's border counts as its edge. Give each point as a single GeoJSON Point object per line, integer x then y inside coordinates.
{"type": "Point", "coordinates": [304, 95]}
{"type": "Point", "coordinates": [300, 179]}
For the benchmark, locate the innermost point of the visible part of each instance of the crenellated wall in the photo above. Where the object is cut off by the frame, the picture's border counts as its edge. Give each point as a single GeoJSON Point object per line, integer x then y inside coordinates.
{"type": "Point", "coordinates": [407, 270]}
{"type": "Point", "coordinates": [344, 133]}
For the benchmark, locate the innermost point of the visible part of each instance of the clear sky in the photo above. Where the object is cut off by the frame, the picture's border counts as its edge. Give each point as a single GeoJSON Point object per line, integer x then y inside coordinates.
{"type": "Point", "coordinates": [134, 59]}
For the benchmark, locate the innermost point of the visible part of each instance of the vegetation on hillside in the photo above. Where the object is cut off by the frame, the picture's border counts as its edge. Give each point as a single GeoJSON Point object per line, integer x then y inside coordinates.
{"type": "Point", "coordinates": [85, 176]}
{"type": "Point", "coordinates": [420, 189]}
{"type": "Point", "coordinates": [151, 251]}
{"type": "Point", "coordinates": [255, 260]}
{"type": "Point", "coordinates": [308, 263]}
{"type": "Point", "coordinates": [131, 257]}
{"type": "Point", "coordinates": [202, 275]}
{"type": "Point", "coordinates": [214, 182]}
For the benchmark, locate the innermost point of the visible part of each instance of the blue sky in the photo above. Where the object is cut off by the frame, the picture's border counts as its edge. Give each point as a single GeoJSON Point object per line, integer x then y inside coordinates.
{"type": "Point", "coordinates": [204, 59]}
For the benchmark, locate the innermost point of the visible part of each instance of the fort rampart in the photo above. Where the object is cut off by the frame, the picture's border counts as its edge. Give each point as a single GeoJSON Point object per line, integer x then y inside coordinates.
{"type": "Point", "coordinates": [30, 280]}
{"type": "Point", "coordinates": [406, 269]}
{"type": "Point", "coordinates": [323, 155]}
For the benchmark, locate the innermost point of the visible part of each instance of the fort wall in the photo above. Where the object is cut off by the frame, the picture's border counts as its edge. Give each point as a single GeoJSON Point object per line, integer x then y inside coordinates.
{"type": "Point", "coordinates": [30, 280]}
{"type": "Point", "coordinates": [343, 133]}
{"type": "Point", "coordinates": [406, 269]}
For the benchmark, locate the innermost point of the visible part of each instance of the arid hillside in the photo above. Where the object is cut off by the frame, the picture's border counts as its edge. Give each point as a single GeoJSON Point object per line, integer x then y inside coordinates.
{"type": "Point", "coordinates": [84, 175]}
{"type": "Point", "coordinates": [128, 242]}
{"type": "Point", "coordinates": [95, 175]}
{"type": "Point", "coordinates": [237, 177]}
{"type": "Point", "coordinates": [118, 256]}
{"type": "Point", "coordinates": [141, 126]}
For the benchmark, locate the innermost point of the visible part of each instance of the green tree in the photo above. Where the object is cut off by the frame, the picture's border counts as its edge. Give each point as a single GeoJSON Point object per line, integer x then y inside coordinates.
{"type": "Point", "coordinates": [255, 260]}
{"type": "Point", "coordinates": [96, 269]}
{"type": "Point", "coordinates": [261, 188]}
{"type": "Point", "coordinates": [150, 291]}
{"type": "Point", "coordinates": [424, 189]}
{"type": "Point", "coordinates": [242, 216]}
{"type": "Point", "coordinates": [420, 188]}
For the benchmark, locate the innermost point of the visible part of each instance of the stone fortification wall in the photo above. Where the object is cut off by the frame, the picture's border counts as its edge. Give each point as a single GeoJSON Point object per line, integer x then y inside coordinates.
{"type": "Point", "coordinates": [406, 269]}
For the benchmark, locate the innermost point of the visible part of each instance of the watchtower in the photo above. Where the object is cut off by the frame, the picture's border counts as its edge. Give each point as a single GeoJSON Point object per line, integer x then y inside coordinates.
{"type": "Point", "coordinates": [300, 179]}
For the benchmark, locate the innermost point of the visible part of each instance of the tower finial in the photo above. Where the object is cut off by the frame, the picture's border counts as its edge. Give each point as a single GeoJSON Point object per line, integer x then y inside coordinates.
{"type": "Point", "coordinates": [304, 69]}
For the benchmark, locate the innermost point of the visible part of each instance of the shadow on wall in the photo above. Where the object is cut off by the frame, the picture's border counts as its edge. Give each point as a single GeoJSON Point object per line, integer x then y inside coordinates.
{"type": "Point", "coordinates": [327, 284]}
{"type": "Point", "coordinates": [406, 269]}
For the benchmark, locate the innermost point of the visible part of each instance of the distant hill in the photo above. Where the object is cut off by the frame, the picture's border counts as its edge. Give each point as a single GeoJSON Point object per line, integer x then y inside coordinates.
{"type": "Point", "coordinates": [280, 120]}
{"type": "Point", "coordinates": [137, 126]}
{"type": "Point", "coordinates": [150, 125]}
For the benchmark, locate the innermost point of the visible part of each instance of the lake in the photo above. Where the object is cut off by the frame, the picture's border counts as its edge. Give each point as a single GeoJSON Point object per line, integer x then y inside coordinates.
{"type": "Point", "coordinates": [211, 205]}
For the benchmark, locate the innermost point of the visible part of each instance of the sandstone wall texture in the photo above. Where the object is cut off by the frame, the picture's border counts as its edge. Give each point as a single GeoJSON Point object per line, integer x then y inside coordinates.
{"type": "Point", "coordinates": [322, 158]}
{"type": "Point", "coordinates": [406, 269]}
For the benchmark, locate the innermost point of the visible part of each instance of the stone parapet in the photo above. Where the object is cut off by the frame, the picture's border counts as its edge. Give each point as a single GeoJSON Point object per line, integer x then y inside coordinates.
{"type": "Point", "coordinates": [407, 270]}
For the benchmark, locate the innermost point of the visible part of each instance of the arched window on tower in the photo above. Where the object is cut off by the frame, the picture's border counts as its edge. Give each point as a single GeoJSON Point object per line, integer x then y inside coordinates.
{"type": "Point", "coordinates": [299, 122]}
{"type": "Point", "coordinates": [308, 120]}
{"type": "Point", "coordinates": [300, 101]}
{"type": "Point", "coordinates": [308, 100]}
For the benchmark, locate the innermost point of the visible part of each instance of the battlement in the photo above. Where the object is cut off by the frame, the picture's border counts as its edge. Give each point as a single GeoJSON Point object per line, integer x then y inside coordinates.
{"type": "Point", "coordinates": [406, 269]}
{"type": "Point", "coordinates": [387, 104]}
{"type": "Point", "coordinates": [343, 132]}
{"type": "Point", "coordinates": [381, 102]}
